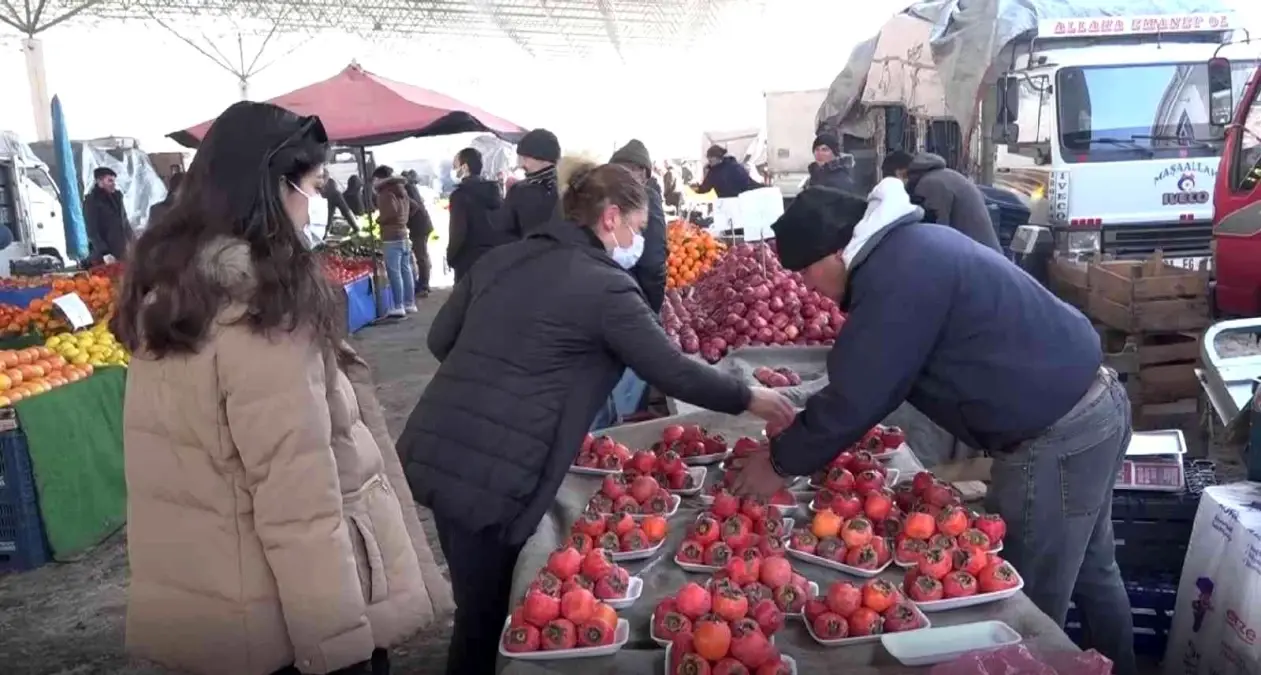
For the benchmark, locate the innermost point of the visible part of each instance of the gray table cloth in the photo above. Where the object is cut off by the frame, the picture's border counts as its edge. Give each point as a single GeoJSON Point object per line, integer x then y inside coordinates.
{"type": "Point", "coordinates": [662, 577]}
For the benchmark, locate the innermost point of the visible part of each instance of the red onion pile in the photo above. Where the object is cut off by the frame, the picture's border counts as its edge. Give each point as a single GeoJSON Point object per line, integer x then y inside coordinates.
{"type": "Point", "coordinates": [748, 299]}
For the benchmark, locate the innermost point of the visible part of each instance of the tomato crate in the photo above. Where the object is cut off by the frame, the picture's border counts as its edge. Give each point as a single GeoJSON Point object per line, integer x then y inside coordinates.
{"type": "Point", "coordinates": [1152, 603]}
{"type": "Point", "coordinates": [22, 542]}
{"type": "Point", "coordinates": [1152, 529]}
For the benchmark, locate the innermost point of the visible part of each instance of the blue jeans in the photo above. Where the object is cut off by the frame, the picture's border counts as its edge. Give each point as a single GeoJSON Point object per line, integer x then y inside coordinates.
{"type": "Point", "coordinates": [398, 266]}
{"type": "Point", "coordinates": [624, 400]}
{"type": "Point", "coordinates": [1055, 492]}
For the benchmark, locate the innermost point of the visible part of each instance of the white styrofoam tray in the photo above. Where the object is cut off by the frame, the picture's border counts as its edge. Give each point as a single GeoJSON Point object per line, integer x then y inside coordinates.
{"type": "Point", "coordinates": [642, 554]}
{"type": "Point", "coordinates": [705, 460]}
{"type": "Point", "coordinates": [907, 566]}
{"type": "Point", "coordinates": [674, 508]}
{"type": "Point", "coordinates": [698, 480]}
{"type": "Point", "coordinates": [971, 600]}
{"type": "Point", "coordinates": [863, 639]}
{"type": "Point", "coordinates": [589, 471]}
{"type": "Point", "coordinates": [947, 643]}
{"type": "Point", "coordinates": [634, 589]}
{"type": "Point", "coordinates": [665, 666]}
{"type": "Point", "coordinates": [839, 567]}
{"type": "Point", "coordinates": [891, 476]}
{"type": "Point", "coordinates": [621, 635]}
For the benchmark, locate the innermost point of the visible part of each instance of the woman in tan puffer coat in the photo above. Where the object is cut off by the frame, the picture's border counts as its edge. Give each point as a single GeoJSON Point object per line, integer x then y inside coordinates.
{"type": "Point", "coordinates": [270, 528]}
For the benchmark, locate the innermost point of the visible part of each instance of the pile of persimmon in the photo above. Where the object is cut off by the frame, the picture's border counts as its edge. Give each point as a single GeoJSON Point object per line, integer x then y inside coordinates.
{"type": "Point", "coordinates": [691, 252]}
{"type": "Point", "coordinates": [14, 320]}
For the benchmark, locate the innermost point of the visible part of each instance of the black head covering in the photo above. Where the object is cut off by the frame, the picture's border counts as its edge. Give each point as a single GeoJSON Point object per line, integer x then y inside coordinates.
{"type": "Point", "coordinates": [540, 144]}
{"type": "Point", "coordinates": [829, 141]}
{"type": "Point", "coordinates": [716, 152]}
{"type": "Point", "coordinates": [818, 223]}
{"type": "Point", "coordinates": [248, 148]}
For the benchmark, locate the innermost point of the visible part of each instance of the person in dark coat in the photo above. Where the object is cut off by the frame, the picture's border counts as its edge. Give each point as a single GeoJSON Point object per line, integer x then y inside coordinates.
{"type": "Point", "coordinates": [948, 197]}
{"type": "Point", "coordinates": [332, 194]}
{"type": "Point", "coordinates": [830, 167]}
{"type": "Point", "coordinates": [724, 175]}
{"type": "Point", "coordinates": [986, 352]}
{"type": "Point", "coordinates": [105, 217]}
{"type": "Point", "coordinates": [530, 344]}
{"type": "Point", "coordinates": [531, 203]}
{"type": "Point", "coordinates": [671, 194]}
{"type": "Point", "coordinates": [650, 269]}
{"type": "Point", "coordinates": [172, 191]}
{"type": "Point", "coordinates": [419, 229]}
{"type": "Point", "coordinates": [354, 195]}
{"type": "Point", "coordinates": [475, 205]}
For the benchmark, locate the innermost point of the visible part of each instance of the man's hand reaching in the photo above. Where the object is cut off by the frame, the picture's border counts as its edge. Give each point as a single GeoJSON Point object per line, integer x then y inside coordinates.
{"type": "Point", "coordinates": [773, 407]}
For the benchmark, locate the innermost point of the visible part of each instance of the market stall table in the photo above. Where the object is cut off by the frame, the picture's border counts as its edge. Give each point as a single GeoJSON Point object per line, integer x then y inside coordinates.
{"type": "Point", "coordinates": [662, 577]}
{"type": "Point", "coordinates": [62, 471]}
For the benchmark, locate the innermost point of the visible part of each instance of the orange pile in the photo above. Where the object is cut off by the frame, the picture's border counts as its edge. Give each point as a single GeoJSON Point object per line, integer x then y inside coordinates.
{"type": "Point", "coordinates": [692, 251]}
{"type": "Point", "coordinates": [96, 291]}
{"type": "Point", "coordinates": [32, 371]}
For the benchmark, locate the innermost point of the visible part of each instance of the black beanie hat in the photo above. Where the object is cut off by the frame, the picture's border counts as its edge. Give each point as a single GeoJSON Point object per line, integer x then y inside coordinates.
{"type": "Point", "coordinates": [829, 141]}
{"type": "Point", "coordinates": [635, 154]}
{"type": "Point", "coordinates": [540, 144]}
{"type": "Point", "coordinates": [716, 152]}
{"type": "Point", "coordinates": [818, 223]}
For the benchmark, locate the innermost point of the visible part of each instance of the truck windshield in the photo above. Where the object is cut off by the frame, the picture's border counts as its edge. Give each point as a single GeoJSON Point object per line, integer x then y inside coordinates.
{"type": "Point", "coordinates": [1125, 112]}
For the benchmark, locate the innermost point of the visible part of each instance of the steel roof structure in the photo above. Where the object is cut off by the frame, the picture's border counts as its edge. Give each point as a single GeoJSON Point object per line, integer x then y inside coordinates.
{"type": "Point", "coordinates": [536, 26]}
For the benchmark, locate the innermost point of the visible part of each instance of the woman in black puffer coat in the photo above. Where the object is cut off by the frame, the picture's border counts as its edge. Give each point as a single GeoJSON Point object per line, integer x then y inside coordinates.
{"type": "Point", "coordinates": [532, 341]}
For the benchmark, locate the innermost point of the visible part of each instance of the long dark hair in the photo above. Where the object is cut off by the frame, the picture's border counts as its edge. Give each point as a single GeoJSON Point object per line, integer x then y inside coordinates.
{"type": "Point", "coordinates": [232, 191]}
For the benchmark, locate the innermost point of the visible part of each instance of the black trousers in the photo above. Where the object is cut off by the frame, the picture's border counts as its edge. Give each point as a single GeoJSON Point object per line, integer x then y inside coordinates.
{"type": "Point", "coordinates": [420, 248]}
{"type": "Point", "coordinates": [481, 569]}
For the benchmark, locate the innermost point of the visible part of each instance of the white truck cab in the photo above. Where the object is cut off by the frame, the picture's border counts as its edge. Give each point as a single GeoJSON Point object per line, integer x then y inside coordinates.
{"type": "Point", "coordinates": [1103, 123]}
{"type": "Point", "coordinates": [29, 207]}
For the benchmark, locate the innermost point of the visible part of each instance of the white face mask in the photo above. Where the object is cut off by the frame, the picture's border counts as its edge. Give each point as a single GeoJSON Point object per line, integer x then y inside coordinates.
{"type": "Point", "coordinates": [456, 174]}
{"type": "Point", "coordinates": [628, 256]}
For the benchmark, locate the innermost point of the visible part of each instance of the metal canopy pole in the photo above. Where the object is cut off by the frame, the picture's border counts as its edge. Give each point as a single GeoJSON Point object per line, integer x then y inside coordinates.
{"type": "Point", "coordinates": [30, 21]}
{"type": "Point", "coordinates": [241, 67]}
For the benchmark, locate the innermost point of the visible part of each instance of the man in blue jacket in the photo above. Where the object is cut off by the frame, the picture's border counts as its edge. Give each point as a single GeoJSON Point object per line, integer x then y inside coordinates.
{"type": "Point", "coordinates": [724, 175]}
{"type": "Point", "coordinates": [987, 353]}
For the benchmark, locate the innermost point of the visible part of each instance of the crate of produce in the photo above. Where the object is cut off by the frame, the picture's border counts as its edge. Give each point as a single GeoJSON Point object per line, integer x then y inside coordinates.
{"type": "Point", "coordinates": [1152, 528]}
{"type": "Point", "coordinates": [23, 545]}
{"type": "Point", "coordinates": [1152, 602]}
{"type": "Point", "coordinates": [1148, 296]}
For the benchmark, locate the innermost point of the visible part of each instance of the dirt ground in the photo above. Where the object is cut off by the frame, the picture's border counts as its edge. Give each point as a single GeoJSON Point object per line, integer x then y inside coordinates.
{"type": "Point", "coordinates": [67, 618]}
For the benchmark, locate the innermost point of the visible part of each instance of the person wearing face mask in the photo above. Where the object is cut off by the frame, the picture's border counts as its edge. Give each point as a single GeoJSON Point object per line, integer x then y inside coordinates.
{"type": "Point", "coordinates": [270, 528]}
{"type": "Point", "coordinates": [474, 209]}
{"type": "Point", "coordinates": [646, 261]}
{"type": "Point", "coordinates": [530, 344]}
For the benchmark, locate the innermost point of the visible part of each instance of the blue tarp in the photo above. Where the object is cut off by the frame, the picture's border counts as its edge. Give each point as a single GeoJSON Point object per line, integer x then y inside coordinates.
{"type": "Point", "coordinates": [68, 186]}
{"type": "Point", "coordinates": [361, 304]}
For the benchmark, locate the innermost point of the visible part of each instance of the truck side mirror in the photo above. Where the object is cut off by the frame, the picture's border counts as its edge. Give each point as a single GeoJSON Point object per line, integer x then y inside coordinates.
{"type": "Point", "coordinates": [1008, 99]}
{"type": "Point", "coordinates": [1005, 134]}
{"type": "Point", "coordinates": [1220, 92]}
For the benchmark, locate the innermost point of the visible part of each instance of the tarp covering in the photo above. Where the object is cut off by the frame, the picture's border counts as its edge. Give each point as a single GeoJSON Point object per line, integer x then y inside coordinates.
{"type": "Point", "coordinates": [360, 108]}
{"type": "Point", "coordinates": [12, 145]}
{"type": "Point", "coordinates": [68, 186]}
{"type": "Point", "coordinates": [966, 36]}
{"type": "Point", "coordinates": [137, 179]}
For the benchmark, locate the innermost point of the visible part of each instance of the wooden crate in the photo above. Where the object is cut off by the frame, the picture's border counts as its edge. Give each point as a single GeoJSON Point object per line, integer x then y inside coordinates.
{"type": "Point", "coordinates": [1157, 368]}
{"type": "Point", "coordinates": [1147, 296]}
{"type": "Point", "coordinates": [1069, 280]}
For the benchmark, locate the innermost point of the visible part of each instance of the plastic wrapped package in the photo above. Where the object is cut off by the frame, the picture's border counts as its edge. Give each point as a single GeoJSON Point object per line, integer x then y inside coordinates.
{"type": "Point", "coordinates": [1020, 660]}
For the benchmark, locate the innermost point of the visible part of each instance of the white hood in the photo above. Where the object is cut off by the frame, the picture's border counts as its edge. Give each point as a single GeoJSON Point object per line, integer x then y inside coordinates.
{"type": "Point", "coordinates": [887, 204]}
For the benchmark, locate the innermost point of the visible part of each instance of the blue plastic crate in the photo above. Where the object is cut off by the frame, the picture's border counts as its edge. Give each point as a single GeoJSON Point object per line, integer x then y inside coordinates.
{"type": "Point", "coordinates": [23, 545]}
{"type": "Point", "coordinates": [1152, 603]}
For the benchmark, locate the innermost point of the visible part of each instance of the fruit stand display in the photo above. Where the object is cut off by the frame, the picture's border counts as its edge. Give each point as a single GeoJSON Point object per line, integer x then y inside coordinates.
{"type": "Point", "coordinates": [691, 252]}
{"type": "Point", "coordinates": [748, 299]}
{"type": "Point", "coordinates": [715, 585]}
{"type": "Point", "coordinates": [352, 267]}
{"type": "Point", "coordinates": [61, 397]}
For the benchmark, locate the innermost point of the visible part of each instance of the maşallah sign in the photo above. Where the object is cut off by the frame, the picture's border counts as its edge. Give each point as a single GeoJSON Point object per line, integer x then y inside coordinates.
{"type": "Point", "coordinates": [1135, 25]}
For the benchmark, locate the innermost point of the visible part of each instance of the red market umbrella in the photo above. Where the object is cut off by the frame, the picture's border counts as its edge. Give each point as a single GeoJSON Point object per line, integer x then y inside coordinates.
{"type": "Point", "coordinates": [359, 108]}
